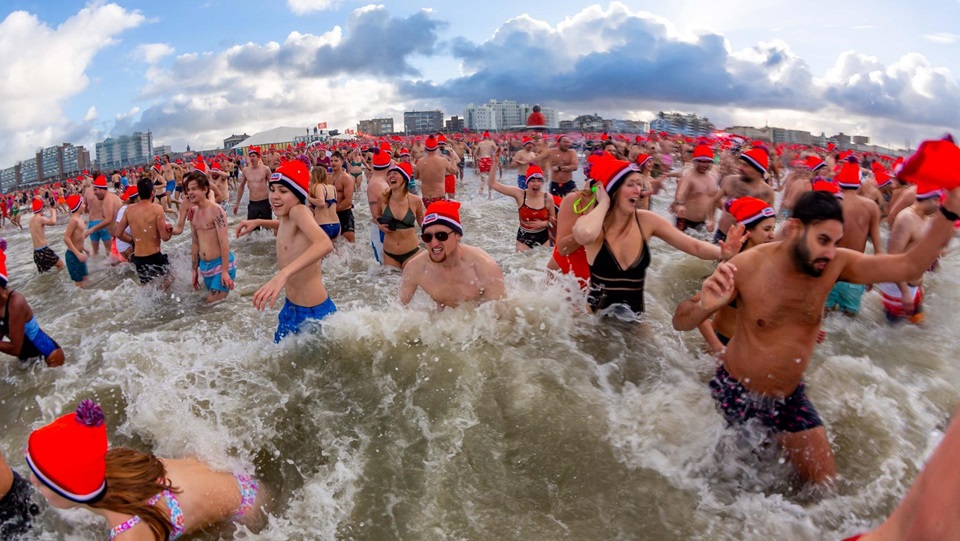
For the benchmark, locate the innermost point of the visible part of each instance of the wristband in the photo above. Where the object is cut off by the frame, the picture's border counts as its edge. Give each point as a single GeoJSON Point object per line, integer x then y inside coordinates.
{"type": "Point", "coordinates": [952, 216]}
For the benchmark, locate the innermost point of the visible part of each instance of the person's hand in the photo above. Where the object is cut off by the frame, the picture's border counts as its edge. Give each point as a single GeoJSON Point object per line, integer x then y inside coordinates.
{"type": "Point", "coordinates": [226, 280]}
{"type": "Point", "coordinates": [711, 225]}
{"type": "Point", "coordinates": [236, 208]}
{"type": "Point", "coordinates": [244, 228]}
{"type": "Point", "coordinates": [601, 193]}
{"type": "Point", "coordinates": [195, 280]}
{"type": "Point", "coordinates": [168, 227]}
{"type": "Point", "coordinates": [737, 235]}
{"type": "Point", "coordinates": [190, 213]}
{"type": "Point", "coordinates": [87, 234]}
{"type": "Point", "coordinates": [82, 257]}
{"type": "Point", "coordinates": [717, 290]}
{"type": "Point", "coordinates": [267, 294]}
{"type": "Point", "coordinates": [908, 306]}
{"type": "Point", "coordinates": [681, 210]}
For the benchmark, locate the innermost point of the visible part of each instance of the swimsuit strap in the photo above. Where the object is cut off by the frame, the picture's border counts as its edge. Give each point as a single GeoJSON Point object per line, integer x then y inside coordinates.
{"type": "Point", "coordinates": [124, 526]}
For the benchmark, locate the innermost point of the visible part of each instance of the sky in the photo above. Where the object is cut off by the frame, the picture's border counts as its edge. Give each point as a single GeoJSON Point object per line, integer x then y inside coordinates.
{"type": "Point", "coordinates": [195, 72]}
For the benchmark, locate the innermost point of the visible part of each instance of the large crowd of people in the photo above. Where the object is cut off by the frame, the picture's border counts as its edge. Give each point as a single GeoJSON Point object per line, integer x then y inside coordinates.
{"type": "Point", "coordinates": [779, 271]}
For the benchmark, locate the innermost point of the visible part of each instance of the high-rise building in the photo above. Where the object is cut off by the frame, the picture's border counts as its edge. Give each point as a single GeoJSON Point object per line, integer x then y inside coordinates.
{"type": "Point", "coordinates": [455, 124]}
{"type": "Point", "coordinates": [418, 122]}
{"type": "Point", "coordinates": [8, 179]}
{"type": "Point", "coordinates": [126, 150]}
{"type": "Point", "coordinates": [375, 126]}
{"type": "Point", "coordinates": [504, 115]}
{"type": "Point", "coordinates": [680, 124]}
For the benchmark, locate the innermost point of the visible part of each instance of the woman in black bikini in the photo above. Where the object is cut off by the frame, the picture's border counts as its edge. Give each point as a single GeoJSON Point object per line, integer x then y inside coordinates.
{"type": "Point", "coordinates": [615, 234]}
{"type": "Point", "coordinates": [400, 241]}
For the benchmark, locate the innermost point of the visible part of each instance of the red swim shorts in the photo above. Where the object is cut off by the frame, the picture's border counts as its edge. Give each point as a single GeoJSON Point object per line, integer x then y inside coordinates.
{"type": "Point", "coordinates": [485, 164]}
{"type": "Point", "coordinates": [450, 184]}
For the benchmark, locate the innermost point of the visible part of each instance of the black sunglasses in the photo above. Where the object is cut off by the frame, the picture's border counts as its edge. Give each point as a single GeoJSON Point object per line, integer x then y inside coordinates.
{"type": "Point", "coordinates": [442, 236]}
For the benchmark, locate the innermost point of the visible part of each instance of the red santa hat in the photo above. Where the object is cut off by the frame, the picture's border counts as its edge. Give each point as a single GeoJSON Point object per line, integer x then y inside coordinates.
{"type": "Point", "coordinates": [813, 162]}
{"type": "Point", "coordinates": [69, 454]}
{"type": "Point", "coordinates": [703, 153]}
{"type": "Point", "coordinates": [74, 202]}
{"type": "Point", "coordinates": [933, 165]}
{"type": "Point", "coordinates": [928, 192]}
{"type": "Point", "coordinates": [100, 182]}
{"type": "Point", "coordinates": [131, 191]}
{"type": "Point", "coordinates": [381, 160]}
{"type": "Point", "coordinates": [254, 150]}
{"type": "Point", "coordinates": [881, 175]}
{"type": "Point", "coordinates": [757, 158]}
{"type": "Point", "coordinates": [215, 166]}
{"type": "Point", "coordinates": [821, 185]}
{"type": "Point", "coordinates": [405, 170]}
{"type": "Point", "coordinates": [527, 140]}
{"type": "Point", "coordinates": [443, 212]}
{"type": "Point", "coordinates": [441, 139]}
{"type": "Point", "coordinates": [642, 159]}
{"type": "Point", "coordinates": [37, 205]}
{"type": "Point", "coordinates": [404, 152]}
{"type": "Point", "coordinates": [486, 135]}
{"type": "Point", "coordinates": [749, 210]}
{"type": "Point", "coordinates": [610, 171]}
{"type": "Point", "coordinates": [849, 176]}
{"type": "Point", "coordinates": [534, 171]}
{"type": "Point", "coordinates": [200, 165]}
{"type": "Point", "coordinates": [430, 144]}
{"type": "Point", "coordinates": [294, 175]}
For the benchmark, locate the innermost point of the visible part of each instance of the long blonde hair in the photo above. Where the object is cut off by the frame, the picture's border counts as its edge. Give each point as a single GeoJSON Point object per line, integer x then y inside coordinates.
{"type": "Point", "coordinates": [132, 479]}
{"type": "Point", "coordinates": [318, 176]}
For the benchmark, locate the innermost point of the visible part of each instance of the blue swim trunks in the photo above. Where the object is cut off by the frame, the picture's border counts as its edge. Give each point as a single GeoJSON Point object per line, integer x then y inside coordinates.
{"type": "Point", "coordinates": [78, 271]}
{"type": "Point", "coordinates": [101, 235]}
{"type": "Point", "coordinates": [171, 185]}
{"type": "Point", "coordinates": [846, 297]}
{"type": "Point", "coordinates": [36, 343]}
{"type": "Point", "coordinates": [212, 270]}
{"type": "Point", "coordinates": [292, 316]}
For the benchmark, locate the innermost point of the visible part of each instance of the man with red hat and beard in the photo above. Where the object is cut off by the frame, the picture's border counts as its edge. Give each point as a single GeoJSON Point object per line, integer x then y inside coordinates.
{"type": "Point", "coordinates": [753, 164]}
{"type": "Point", "coordinates": [696, 189]}
{"type": "Point", "coordinates": [780, 289]}
{"type": "Point", "coordinates": [450, 272]}
{"type": "Point", "coordinates": [147, 229]}
{"type": "Point", "coordinates": [861, 219]}
{"type": "Point", "coordinates": [110, 203]}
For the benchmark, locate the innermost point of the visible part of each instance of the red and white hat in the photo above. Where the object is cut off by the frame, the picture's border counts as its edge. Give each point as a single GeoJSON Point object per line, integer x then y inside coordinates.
{"type": "Point", "coordinates": [131, 191]}
{"type": "Point", "coordinates": [215, 166]}
{"type": "Point", "coordinates": [430, 144]}
{"type": "Point", "coordinates": [928, 192]}
{"type": "Point", "coordinates": [405, 170]}
{"type": "Point", "coordinates": [849, 176]}
{"type": "Point", "coordinates": [813, 162]}
{"type": "Point", "coordinates": [749, 210]}
{"type": "Point", "coordinates": [37, 205]}
{"type": "Point", "coordinates": [881, 175]}
{"type": "Point", "coordinates": [534, 171]}
{"type": "Point", "coordinates": [404, 152]}
{"type": "Point", "coordinates": [527, 140]}
{"type": "Point", "coordinates": [381, 160]}
{"type": "Point", "coordinates": [703, 153]}
{"type": "Point", "coordinates": [254, 150]}
{"type": "Point", "coordinates": [200, 165]}
{"type": "Point", "coordinates": [486, 135]}
{"type": "Point", "coordinates": [441, 139]}
{"type": "Point", "coordinates": [758, 158]}
{"type": "Point", "coordinates": [610, 171]}
{"type": "Point", "coordinates": [100, 182]}
{"type": "Point", "coordinates": [821, 185]}
{"type": "Point", "coordinates": [69, 454]}
{"type": "Point", "coordinates": [642, 159]}
{"type": "Point", "coordinates": [294, 175]}
{"type": "Point", "coordinates": [443, 213]}
{"type": "Point", "coordinates": [74, 202]}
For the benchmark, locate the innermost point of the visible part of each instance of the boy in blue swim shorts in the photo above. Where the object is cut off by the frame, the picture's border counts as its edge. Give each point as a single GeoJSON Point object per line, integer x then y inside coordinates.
{"type": "Point", "coordinates": [301, 246]}
{"type": "Point", "coordinates": [210, 247]}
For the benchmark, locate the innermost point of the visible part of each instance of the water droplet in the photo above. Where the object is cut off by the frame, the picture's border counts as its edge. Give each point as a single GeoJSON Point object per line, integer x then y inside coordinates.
{"type": "Point", "coordinates": [449, 369]}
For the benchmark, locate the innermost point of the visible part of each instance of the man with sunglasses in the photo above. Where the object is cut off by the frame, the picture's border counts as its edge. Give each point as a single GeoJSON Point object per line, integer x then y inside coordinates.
{"type": "Point", "coordinates": [450, 272]}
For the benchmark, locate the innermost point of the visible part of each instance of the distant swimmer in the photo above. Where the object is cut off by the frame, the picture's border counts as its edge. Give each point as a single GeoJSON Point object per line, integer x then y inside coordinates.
{"type": "Point", "coordinates": [147, 229]}
{"type": "Point", "coordinates": [450, 272]}
{"type": "Point", "coordinates": [301, 246]}
{"type": "Point", "coordinates": [43, 256]}
{"type": "Point", "coordinates": [73, 237]}
{"type": "Point", "coordinates": [212, 260]}
{"type": "Point", "coordinates": [431, 171]}
{"type": "Point", "coordinates": [753, 165]}
{"type": "Point", "coordinates": [24, 337]}
{"type": "Point", "coordinates": [522, 159]}
{"type": "Point", "coordinates": [254, 178]}
{"type": "Point", "coordinates": [109, 204]}
{"type": "Point", "coordinates": [345, 185]}
{"type": "Point", "coordinates": [138, 495]}
{"type": "Point", "coordinates": [485, 154]}
{"type": "Point", "coordinates": [693, 203]}
{"type": "Point", "coordinates": [780, 289]}
{"type": "Point", "coordinates": [562, 161]}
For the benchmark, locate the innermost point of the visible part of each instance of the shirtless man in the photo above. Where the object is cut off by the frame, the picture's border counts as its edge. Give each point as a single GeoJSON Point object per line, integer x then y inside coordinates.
{"type": "Point", "coordinates": [210, 247]}
{"type": "Point", "coordinates": [780, 289]}
{"type": "Point", "coordinates": [344, 184]}
{"type": "Point", "coordinates": [376, 185]}
{"type": "Point", "coordinates": [562, 161]}
{"type": "Point", "coordinates": [220, 184]}
{"type": "Point", "coordinates": [272, 159]}
{"type": "Point", "coordinates": [169, 171]}
{"type": "Point", "coordinates": [799, 182]}
{"type": "Point", "coordinates": [255, 176]}
{"type": "Point", "coordinates": [903, 299]}
{"type": "Point", "coordinates": [861, 219]}
{"type": "Point", "coordinates": [460, 147]}
{"type": "Point", "coordinates": [110, 204]}
{"type": "Point", "coordinates": [450, 272]}
{"type": "Point", "coordinates": [417, 151]}
{"type": "Point", "coordinates": [148, 228]}
{"type": "Point", "coordinates": [522, 160]}
{"type": "Point", "coordinates": [301, 247]}
{"type": "Point", "coordinates": [73, 237]}
{"type": "Point", "coordinates": [94, 217]}
{"type": "Point", "coordinates": [450, 179]}
{"type": "Point", "coordinates": [485, 155]}
{"type": "Point", "coordinates": [44, 256]}
{"type": "Point", "coordinates": [695, 192]}
{"type": "Point", "coordinates": [430, 170]}
{"type": "Point", "coordinates": [753, 167]}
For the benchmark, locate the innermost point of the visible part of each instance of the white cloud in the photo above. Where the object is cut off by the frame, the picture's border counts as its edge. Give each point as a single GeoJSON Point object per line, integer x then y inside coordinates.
{"type": "Point", "coordinates": [303, 7]}
{"type": "Point", "coordinates": [942, 37]}
{"type": "Point", "coordinates": [151, 53]}
{"type": "Point", "coordinates": [44, 66]}
{"type": "Point", "coordinates": [91, 114]}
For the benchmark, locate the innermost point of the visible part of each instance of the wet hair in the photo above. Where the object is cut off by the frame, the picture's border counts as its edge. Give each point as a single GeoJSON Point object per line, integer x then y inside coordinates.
{"type": "Point", "coordinates": [132, 479]}
{"type": "Point", "coordinates": [202, 181]}
{"type": "Point", "coordinates": [814, 207]}
{"type": "Point", "coordinates": [318, 176]}
{"type": "Point", "coordinates": [145, 188]}
{"type": "Point", "coordinates": [336, 154]}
